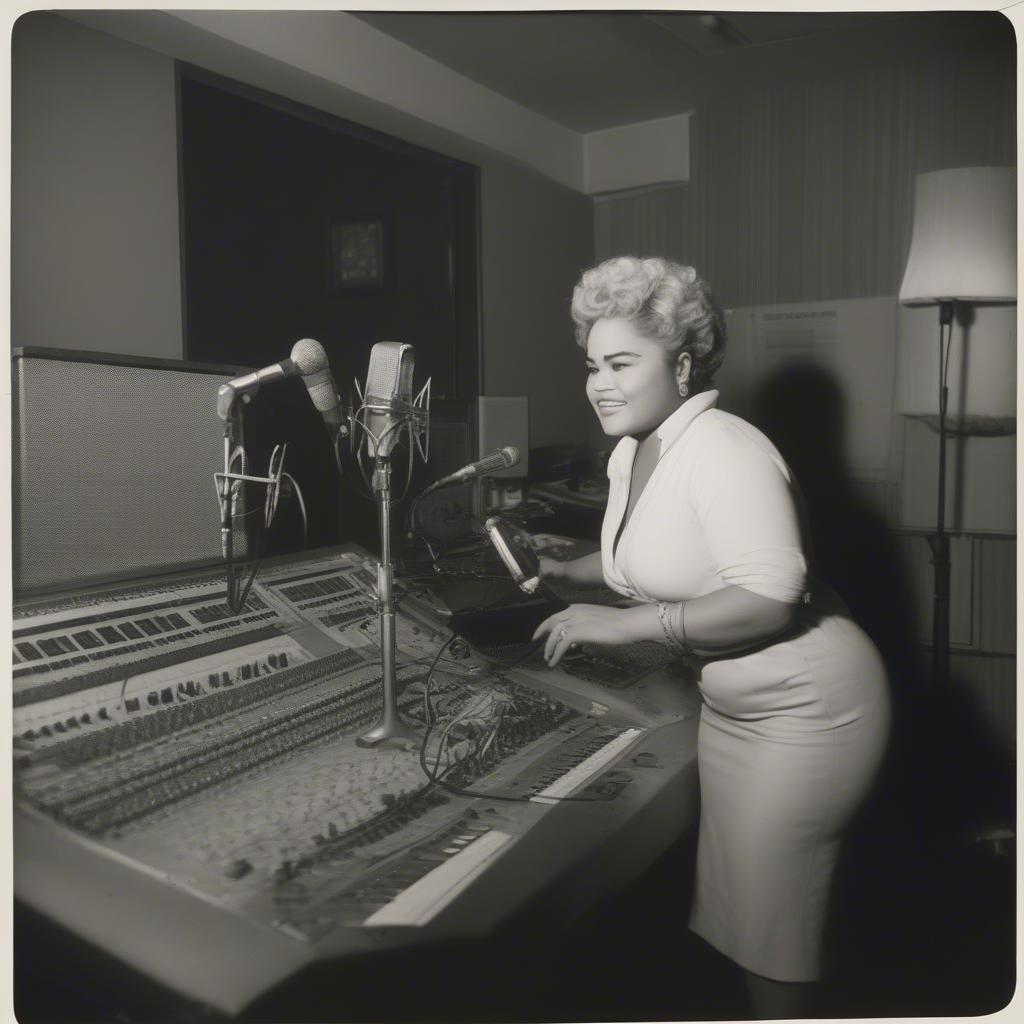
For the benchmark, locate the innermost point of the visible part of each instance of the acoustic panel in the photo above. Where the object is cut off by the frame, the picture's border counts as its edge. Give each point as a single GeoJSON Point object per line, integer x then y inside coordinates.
{"type": "Point", "coordinates": [113, 464]}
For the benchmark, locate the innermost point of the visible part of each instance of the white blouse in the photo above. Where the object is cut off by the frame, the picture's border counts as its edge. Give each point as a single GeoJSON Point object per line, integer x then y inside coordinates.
{"type": "Point", "coordinates": [717, 511]}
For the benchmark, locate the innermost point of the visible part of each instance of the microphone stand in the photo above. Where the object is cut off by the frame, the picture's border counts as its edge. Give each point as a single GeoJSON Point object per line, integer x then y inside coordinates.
{"type": "Point", "coordinates": [390, 726]}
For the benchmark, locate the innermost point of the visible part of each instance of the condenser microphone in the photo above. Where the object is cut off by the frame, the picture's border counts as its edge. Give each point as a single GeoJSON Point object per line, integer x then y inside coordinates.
{"type": "Point", "coordinates": [388, 395]}
{"type": "Point", "coordinates": [310, 359]}
{"type": "Point", "coordinates": [503, 458]}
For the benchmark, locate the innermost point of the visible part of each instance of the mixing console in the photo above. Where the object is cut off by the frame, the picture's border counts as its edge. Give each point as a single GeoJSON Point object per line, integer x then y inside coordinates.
{"type": "Point", "coordinates": [174, 758]}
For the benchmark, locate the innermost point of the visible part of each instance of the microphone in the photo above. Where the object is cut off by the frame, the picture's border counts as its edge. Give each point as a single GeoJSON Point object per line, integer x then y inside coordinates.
{"type": "Point", "coordinates": [503, 458]}
{"type": "Point", "coordinates": [249, 384]}
{"type": "Point", "coordinates": [388, 395]}
{"type": "Point", "coordinates": [310, 359]}
{"type": "Point", "coordinates": [514, 549]}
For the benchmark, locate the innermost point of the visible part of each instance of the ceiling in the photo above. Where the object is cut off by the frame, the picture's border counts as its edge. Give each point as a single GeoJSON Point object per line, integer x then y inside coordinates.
{"type": "Point", "coordinates": [589, 71]}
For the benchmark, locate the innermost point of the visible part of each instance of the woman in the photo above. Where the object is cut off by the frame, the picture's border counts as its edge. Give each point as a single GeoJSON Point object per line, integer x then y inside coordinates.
{"type": "Point", "coordinates": [702, 528]}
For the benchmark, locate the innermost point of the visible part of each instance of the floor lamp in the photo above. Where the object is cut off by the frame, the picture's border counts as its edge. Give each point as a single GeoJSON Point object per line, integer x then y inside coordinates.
{"type": "Point", "coordinates": [963, 249]}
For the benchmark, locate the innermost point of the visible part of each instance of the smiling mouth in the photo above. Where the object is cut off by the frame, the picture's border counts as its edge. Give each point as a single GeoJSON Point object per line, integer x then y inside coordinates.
{"type": "Point", "coordinates": [607, 406]}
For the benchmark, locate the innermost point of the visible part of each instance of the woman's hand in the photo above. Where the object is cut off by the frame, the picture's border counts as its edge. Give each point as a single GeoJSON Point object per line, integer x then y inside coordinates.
{"type": "Point", "coordinates": [583, 623]}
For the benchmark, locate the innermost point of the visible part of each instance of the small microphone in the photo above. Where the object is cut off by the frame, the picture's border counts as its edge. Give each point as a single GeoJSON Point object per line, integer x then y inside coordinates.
{"type": "Point", "coordinates": [503, 458]}
{"type": "Point", "coordinates": [388, 395]}
{"type": "Point", "coordinates": [310, 359]}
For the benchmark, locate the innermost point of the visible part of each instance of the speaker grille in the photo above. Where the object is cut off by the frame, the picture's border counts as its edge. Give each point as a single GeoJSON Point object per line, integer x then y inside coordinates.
{"type": "Point", "coordinates": [389, 374]}
{"type": "Point", "coordinates": [113, 471]}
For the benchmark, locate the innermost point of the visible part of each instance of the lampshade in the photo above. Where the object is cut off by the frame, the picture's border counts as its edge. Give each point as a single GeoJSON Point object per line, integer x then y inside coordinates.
{"type": "Point", "coordinates": [964, 241]}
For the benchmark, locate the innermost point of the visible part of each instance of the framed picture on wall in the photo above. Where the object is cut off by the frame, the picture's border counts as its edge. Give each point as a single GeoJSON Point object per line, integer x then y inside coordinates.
{"type": "Point", "coordinates": [358, 254]}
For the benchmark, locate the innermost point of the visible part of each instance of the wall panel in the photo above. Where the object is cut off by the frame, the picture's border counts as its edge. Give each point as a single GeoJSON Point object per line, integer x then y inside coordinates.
{"type": "Point", "coordinates": [804, 155]}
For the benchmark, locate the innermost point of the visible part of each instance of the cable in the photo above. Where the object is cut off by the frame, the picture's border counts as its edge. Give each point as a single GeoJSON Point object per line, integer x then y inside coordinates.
{"type": "Point", "coordinates": [409, 527]}
{"type": "Point", "coordinates": [428, 710]}
{"type": "Point", "coordinates": [535, 645]}
{"type": "Point", "coordinates": [408, 471]}
{"type": "Point", "coordinates": [444, 737]}
{"type": "Point", "coordinates": [420, 661]}
{"type": "Point", "coordinates": [233, 602]}
{"type": "Point", "coordinates": [494, 732]}
{"type": "Point", "coordinates": [302, 508]}
{"type": "Point", "coordinates": [236, 601]}
{"type": "Point", "coordinates": [438, 780]}
{"type": "Point", "coordinates": [337, 453]}
{"type": "Point", "coordinates": [236, 598]}
{"type": "Point", "coordinates": [367, 493]}
{"type": "Point", "coordinates": [243, 515]}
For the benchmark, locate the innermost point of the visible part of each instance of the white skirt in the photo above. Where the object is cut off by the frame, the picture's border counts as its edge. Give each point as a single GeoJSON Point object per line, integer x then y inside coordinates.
{"type": "Point", "coordinates": [791, 737]}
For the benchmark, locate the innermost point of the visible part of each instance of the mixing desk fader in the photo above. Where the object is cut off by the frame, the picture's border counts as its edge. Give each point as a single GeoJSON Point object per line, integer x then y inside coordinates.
{"type": "Point", "coordinates": [188, 778]}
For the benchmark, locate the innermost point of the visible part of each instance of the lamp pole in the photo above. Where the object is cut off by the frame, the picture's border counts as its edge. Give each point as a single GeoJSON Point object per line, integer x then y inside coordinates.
{"type": "Point", "coordinates": [940, 542]}
{"type": "Point", "coordinates": [963, 248]}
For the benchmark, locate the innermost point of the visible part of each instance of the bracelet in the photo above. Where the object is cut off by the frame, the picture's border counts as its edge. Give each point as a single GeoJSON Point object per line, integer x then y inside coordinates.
{"type": "Point", "coordinates": [665, 618]}
{"type": "Point", "coordinates": [682, 627]}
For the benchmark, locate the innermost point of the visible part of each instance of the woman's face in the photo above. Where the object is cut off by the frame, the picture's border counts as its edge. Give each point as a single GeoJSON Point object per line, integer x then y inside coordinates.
{"type": "Point", "coordinates": [631, 382]}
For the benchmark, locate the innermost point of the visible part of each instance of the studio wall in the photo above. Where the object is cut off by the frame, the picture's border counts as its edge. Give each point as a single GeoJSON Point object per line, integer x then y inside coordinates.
{"type": "Point", "coordinates": [96, 238]}
{"type": "Point", "coordinates": [804, 155]}
{"type": "Point", "coordinates": [94, 193]}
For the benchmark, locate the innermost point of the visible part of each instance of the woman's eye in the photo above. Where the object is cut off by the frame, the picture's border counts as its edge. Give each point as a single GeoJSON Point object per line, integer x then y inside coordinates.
{"type": "Point", "coordinates": [620, 366]}
{"type": "Point", "coordinates": [591, 370]}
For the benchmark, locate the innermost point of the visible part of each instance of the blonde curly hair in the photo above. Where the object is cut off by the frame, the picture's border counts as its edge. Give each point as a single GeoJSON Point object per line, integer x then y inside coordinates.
{"type": "Point", "coordinates": [668, 302]}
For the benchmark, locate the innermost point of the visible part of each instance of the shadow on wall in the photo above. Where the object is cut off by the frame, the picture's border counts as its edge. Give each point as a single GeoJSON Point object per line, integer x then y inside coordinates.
{"type": "Point", "coordinates": [913, 893]}
{"type": "Point", "coordinates": [802, 408]}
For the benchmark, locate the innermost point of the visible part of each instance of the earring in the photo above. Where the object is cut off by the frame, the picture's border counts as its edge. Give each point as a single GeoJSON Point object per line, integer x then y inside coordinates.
{"type": "Point", "coordinates": [683, 389]}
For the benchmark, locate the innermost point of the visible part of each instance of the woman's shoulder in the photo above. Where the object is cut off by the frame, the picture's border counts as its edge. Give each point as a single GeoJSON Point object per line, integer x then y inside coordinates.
{"type": "Point", "coordinates": [723, 436]}
{"type": "Point", "coordinates": [717, 423]}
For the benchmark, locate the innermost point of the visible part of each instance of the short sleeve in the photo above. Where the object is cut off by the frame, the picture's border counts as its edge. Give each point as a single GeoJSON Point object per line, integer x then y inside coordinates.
{"type": "Point", "coordinates": [743, 499]}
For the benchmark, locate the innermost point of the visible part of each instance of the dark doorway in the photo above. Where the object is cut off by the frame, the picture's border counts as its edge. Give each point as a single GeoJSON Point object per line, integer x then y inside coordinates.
{"type": "Point", "coordinates": [296, 223]}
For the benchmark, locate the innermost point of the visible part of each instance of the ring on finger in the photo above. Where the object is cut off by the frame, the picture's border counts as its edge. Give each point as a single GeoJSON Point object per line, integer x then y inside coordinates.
{"type": "Point", "coordinates": [563, 632]}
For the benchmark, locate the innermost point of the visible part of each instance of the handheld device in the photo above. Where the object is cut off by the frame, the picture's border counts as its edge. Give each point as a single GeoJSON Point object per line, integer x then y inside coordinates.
{"type": "Point", "coordinates": [515, 551]}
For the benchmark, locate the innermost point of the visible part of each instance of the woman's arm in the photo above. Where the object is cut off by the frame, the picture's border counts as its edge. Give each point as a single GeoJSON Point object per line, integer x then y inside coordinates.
{"type": "Point", "coordinates": [723, 622]}
{"type": "Point", "coordinates": [585, 570]}
{"type": "Point", "coordinates": [726, 621]}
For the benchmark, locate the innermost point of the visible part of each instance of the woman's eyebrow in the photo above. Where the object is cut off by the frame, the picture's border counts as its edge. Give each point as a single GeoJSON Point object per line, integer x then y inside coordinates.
{"type": "Point", "coordinates": [615, 355]}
